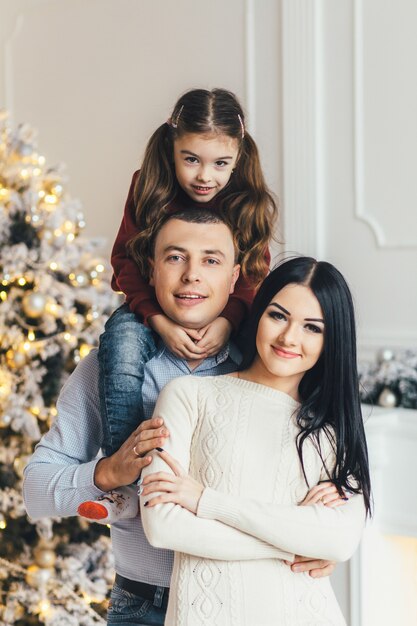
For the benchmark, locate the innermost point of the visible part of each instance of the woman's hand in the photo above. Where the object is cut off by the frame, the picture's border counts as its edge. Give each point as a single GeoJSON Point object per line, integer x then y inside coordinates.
{"type": "Point", "coordinates": [215, 336]}
{"type": "Point", "coordinates": [183, 342]}
{"type": "Point", "coordinates": [178, 488]}
{"type": "Point", "coordinates": [327, 494]}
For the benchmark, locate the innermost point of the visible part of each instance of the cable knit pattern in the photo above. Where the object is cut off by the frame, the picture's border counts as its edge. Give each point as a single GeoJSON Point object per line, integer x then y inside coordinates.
{"type": "Point", "coordinates": [238, 439]}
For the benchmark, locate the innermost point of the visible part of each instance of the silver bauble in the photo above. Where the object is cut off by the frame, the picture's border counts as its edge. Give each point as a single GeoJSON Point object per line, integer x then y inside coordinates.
{"type": "Point", "coordinates": [387, 398]}
{"type": "Point", "coordinates": [33, 304]}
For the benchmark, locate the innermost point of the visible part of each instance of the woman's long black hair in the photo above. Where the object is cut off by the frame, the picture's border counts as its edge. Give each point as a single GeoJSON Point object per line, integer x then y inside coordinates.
{"type": "Point", "coordinates": [329, 391]}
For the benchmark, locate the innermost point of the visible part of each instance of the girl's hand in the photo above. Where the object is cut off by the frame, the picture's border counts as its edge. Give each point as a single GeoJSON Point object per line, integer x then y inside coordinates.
{"type": "Point", "coordinates": [215, 336]}
{"type": "Point", "coordinates": [326, 493]}
{"type": "Point", "coordinates": [178, 488]}
{"type": "Point", "coordinates": [183, 342]}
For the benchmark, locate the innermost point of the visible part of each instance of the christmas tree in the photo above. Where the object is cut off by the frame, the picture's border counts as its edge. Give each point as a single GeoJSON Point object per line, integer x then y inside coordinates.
{"type": "Point", "coordinates": [54, 299]}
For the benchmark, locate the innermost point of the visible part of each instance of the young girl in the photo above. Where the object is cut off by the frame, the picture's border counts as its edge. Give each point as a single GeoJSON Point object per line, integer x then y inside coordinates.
{"type": "Point", "coordinates": [253, 443]}
{"type": "Point", "coordinates": [203, 155]}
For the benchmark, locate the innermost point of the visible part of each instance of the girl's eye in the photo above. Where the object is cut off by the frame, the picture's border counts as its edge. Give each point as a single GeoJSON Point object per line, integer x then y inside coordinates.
{"type": "Point", "coordinates": [313, 328]}
{"type": "Point", "coordinates": [221, 163]}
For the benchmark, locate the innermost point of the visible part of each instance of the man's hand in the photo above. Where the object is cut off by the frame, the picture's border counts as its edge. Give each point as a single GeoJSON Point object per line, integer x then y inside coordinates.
{"type": "Point", "coordinates": [124, 466]}
{"type": "Point", "coordinates": [215, 336]}
{"type": "Point", "coordinates": [183, 342]}
{"type": "Point", "coordinates": [317, 568]}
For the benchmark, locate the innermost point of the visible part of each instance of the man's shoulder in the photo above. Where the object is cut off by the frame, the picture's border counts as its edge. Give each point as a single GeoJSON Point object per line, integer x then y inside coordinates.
{"type": "Point", "coordinates": [86, 374]}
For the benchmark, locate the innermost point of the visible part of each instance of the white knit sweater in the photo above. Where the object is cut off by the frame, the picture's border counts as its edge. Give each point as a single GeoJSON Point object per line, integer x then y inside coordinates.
{"type": "Point", "coordinates": [238, 439]}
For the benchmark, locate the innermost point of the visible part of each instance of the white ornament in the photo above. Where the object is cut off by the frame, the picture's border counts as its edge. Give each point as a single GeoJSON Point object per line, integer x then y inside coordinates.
{"type": "Point", "coordinates": [34, 304]}
{"type": "Point", "coordinates": [387, 399]}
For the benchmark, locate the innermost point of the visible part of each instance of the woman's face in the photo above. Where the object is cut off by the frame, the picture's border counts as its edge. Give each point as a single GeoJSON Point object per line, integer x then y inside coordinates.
{"type": "Point", "coordinates": [290, 338]}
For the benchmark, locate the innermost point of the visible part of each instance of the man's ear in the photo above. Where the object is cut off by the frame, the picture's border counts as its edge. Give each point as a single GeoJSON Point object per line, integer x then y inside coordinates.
{"type": "Point", "coordinates": [151, 267]}
{"type": "Point", "coordinates": [235, 276]}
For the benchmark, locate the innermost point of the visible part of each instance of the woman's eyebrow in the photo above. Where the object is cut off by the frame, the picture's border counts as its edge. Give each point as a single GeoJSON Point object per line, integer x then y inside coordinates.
{"type": "Point", "coordinates": [279, 307]}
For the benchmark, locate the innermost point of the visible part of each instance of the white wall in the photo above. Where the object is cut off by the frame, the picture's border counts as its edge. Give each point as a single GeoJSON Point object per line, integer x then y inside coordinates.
{"type": "Point", "coordinates": [350, 132]}
{"type": "Point", "coordinates": [96, 77]}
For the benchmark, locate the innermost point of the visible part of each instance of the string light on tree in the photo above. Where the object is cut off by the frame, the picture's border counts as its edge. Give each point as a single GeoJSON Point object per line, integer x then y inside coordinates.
{"type": "Point", "coordinates": [55, 297]}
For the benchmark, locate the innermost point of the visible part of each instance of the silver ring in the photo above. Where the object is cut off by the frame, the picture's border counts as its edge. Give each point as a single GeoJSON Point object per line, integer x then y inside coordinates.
{"type": "Point", "coordinates": [135, 451]}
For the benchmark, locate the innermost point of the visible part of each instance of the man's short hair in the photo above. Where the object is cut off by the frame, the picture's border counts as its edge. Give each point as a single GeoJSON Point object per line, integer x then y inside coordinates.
{"type": "Point", "coordinates": [196, 215]}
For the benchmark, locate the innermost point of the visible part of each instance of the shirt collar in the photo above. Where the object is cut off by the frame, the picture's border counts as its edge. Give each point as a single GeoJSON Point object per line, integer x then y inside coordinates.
{"type": "Point", "coordinates": [229, 351]}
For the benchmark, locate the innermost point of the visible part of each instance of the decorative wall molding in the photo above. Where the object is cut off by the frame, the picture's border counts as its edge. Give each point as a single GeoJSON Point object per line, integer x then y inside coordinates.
{"type": "Point", "coordinates": [301, 88]}
{"type": "Point", "coordinates": [362, 209]}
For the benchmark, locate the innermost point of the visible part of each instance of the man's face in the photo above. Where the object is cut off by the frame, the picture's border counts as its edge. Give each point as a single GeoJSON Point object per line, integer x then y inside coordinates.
{"type": "Point", "coordinates": [193, 271]}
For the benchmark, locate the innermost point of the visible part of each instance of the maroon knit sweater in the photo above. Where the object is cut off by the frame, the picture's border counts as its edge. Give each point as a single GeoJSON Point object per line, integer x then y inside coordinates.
{"type": "Point", "coordinates": [140, 296]}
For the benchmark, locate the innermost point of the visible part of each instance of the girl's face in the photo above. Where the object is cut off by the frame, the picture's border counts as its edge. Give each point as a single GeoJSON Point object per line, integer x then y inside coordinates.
{"type": "Point", "coordinates": [204, 164]}
{"type": "Point", "coordinates": [290, 338]}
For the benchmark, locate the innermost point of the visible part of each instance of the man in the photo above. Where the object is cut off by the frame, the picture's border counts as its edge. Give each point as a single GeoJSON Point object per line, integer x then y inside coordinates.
{"type": "Point", "coordinates": [193, 271]}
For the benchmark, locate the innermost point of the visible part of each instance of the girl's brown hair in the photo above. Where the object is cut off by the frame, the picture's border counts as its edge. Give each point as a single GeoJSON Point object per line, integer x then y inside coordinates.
{"type": "Point", "coordinates": [246, 203]}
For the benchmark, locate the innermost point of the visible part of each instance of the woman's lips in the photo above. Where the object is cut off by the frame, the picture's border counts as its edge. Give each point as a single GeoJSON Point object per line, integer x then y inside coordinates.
{"type": "Point", "coordinates": [285, 354]}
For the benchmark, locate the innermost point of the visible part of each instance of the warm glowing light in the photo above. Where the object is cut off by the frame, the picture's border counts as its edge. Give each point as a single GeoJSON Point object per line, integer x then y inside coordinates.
{"type": "Point", "coordinates": [3, 524]}
{"type": "Point", "coordinates": [84, 349]}
{"type": "Point", "coordinates": [71, 276]}
{"type": "Point", "coordinates": [41, 160]}
{"type": "Point", "coordinates": [35, 410]}
{"type": "Point", "coordinates": [53, 411]}
{"type": "Point", "coordinates": [57, 232]}
{"type": "Point", "coordinates": [37, 171]}
{"type": "Point", "coordinates": [41, 193]}
{"type": "Point", "coordinates": [3, 295]}
{"type": "Point", "coordinates": [22, 281]}
{"type": "Point", "coordinates": [26, 346]}
{"type": "Point", "coordinates": [31, 335]}
{"type": "Point", "coordinates": [5, 283]}
{"type": "Point", "coordinates": [70, 237]}
{"type": "Point", "coordinates": [53, 266]}
{"type": "Point", "coordinates": [24, 173]}
{"type": "Point", "coordinates": [44, 608]}
{"type": "Point", "coordinates": [67, 336]}
{"type": "Point", "coordinates": [51, 198]}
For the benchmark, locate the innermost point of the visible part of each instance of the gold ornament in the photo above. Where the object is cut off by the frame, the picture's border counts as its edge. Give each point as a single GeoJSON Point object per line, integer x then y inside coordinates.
{"type": "Point", "coordinates": [3, 522]}
{"type": "Point", "coordinates": [15, 358]}
{"type": "Point", "coordinates": [44, 557]}
{"type": "Point", "coordinates": [37, 576]}
{"type": "Point", "coordinates": [34, 304]}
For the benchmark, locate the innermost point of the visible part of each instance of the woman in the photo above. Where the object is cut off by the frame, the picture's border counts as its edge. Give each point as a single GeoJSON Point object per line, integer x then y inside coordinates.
{"type": "Point", "coordinates": [254, 444]}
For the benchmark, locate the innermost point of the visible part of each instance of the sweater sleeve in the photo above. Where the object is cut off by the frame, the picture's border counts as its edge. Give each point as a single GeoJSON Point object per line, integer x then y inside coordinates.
{"type": "Point", "coordinates": [169, 525]}
{"type": "Point", "coordinates": [240, 302]}
{"type": "Point", "coordinates": [140, 296]}
{"type": "Point", "coordinates": [314, 531]}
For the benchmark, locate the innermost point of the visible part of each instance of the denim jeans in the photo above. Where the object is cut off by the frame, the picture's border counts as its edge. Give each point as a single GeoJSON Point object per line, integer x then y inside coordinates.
{"type": "Point", "coordinates": [129, 609]}
{"type": "Point", "coordinates": [125, 347]}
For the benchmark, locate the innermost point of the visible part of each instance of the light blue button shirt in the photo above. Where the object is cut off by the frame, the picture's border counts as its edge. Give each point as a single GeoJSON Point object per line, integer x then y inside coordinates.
{"type": "Point", "coordinates": [60, 473]}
